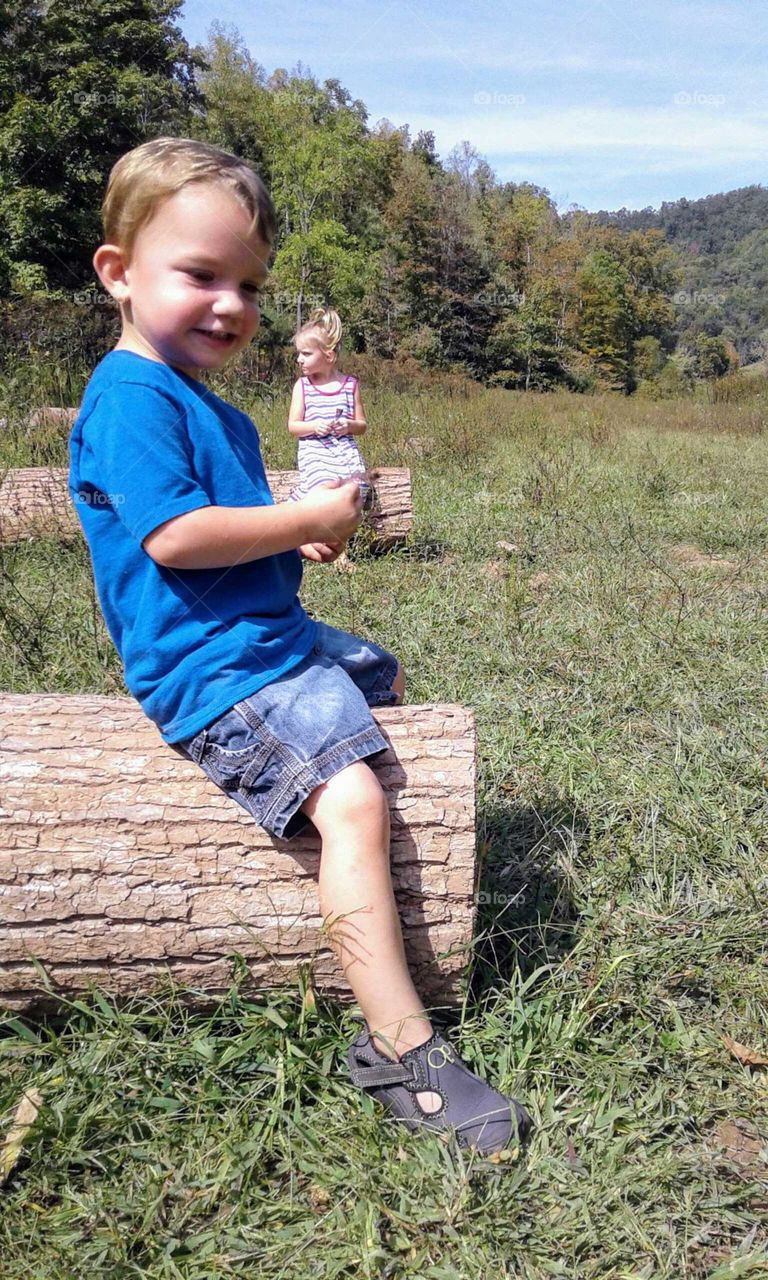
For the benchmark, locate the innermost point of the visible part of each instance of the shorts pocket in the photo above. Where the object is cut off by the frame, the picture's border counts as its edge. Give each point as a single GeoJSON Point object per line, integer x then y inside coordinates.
{"type": "Point", "coordinates": [234, 752]}
{"type": "Point", "coordinates": [233, 770]}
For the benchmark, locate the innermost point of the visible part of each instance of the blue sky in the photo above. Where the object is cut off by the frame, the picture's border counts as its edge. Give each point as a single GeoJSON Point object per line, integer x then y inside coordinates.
{"type": "Point", "coordinates": [606, 103]}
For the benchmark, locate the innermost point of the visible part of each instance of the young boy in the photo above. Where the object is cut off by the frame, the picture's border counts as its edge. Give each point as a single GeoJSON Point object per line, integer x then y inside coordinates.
{"type": "Point", "coordinates": [197, 572]}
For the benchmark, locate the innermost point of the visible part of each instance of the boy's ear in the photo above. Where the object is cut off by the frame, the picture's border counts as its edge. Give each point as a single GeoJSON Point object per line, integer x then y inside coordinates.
{"type": "Point", "coordinates": [110, 265]}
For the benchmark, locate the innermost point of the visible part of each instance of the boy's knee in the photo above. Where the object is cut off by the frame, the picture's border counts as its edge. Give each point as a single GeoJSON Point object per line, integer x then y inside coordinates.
{"type": "Point", "coordinates": [353, 795]}
{"type": "Point", "coordinates": [398, 684]}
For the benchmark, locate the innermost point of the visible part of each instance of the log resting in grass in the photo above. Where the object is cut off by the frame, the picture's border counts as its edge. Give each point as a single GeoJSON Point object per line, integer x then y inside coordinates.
{"type": "Point", "coordinates": [52, 416]}
{"type": "Point", "coordinates": [122, 865]}
{"type": "Point", "coordinates": [35, 502]}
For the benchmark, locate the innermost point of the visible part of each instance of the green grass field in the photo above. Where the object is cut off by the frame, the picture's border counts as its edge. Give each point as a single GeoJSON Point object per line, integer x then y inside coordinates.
{"type": "Point", "coordinates": [614, 651]}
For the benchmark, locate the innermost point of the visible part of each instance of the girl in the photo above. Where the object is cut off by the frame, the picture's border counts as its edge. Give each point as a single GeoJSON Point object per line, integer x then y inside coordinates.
{"type": "Point", "coordinates": [326, 410]}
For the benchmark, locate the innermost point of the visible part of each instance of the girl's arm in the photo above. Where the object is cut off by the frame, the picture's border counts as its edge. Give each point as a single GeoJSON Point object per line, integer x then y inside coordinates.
{"type": "Point", "coordinates": [354, 426]}
{"type": "Point", "coordinates": [296, 424]}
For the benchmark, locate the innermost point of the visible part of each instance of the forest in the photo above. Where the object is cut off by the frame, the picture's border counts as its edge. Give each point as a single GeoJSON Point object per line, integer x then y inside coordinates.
{"type": "Point", "coordinates": [434, 263]}
{"type": "Point", "coordinates": [722, 243]}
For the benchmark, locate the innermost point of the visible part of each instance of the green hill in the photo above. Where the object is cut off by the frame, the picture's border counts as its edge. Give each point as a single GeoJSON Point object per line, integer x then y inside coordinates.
{"type": "Point", "coordinates": [722, 241]}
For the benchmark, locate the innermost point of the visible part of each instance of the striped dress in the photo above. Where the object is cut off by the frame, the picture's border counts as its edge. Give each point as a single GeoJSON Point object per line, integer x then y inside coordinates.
{"type": "Point", "coordinates": [323, 458]}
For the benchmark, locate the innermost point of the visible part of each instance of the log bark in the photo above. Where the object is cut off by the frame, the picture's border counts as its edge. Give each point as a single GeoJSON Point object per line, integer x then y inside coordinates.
{"type": "Point", "coordinates": [52, 416]}
{"type": "Point", "coordinates": [121, 865]}
{"type": "Point", "coordinates": [35, 502]}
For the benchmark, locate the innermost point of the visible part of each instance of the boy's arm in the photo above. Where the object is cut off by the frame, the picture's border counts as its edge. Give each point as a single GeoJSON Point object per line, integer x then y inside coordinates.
{"type": "Point", "coordinates": [135, 450]}
{"type": "Point", "coordinates": [218, 537]}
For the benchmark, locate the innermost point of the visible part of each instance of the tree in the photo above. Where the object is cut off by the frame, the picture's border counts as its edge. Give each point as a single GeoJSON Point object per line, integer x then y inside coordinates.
{"type": "Point", "coordinates": [425, 148]}
{"type": "Point", "coordinates": [650, 358]}
{"type": "Point", "coordinates": [526, 345]}
{"type": "Point", "coordinates": [521, 226]}
{"type": "Point", "coordinates": [322, 169]}
{"type": "Point", "coordinates": [410, 297]}
{"type": "Point", "coordinates": [464, 269]}
{"type": "Point", "coordinates": [654, 272]}
{"type": "Point", "coordinates": [79, 85]}
{"type": "Point", "coordinates": [711, 358]}
{"type": "Point", "coordinates": [236, 100]}
{"type": "Point", "coordinates": [623, 285]}
{"type": "Point", "coordinates": [606, 325]}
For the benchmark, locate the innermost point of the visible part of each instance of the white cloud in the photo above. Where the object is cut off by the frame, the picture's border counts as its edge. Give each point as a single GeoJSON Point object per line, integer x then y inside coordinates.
{"type": "Point", "coordinates": [500, 127]}
{"type": "Point", "coordinates": [481, 60]}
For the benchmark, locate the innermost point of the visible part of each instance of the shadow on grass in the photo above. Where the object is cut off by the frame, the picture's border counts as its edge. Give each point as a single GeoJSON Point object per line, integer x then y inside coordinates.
{"type": "Point", "coordinates": [526, 916]}
{"type": "Point", "coordinates": [366, 545]}
{"type": "Point", "coordinates": [424, 550]}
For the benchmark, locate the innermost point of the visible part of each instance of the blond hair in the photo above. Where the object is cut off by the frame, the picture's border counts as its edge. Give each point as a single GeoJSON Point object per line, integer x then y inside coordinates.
{"type": "Point", "coordinates": [324, 323]}
{"type": "Point", "coordinates": [146, 176]}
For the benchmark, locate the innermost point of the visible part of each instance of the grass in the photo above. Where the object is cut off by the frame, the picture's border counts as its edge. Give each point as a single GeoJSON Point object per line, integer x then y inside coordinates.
{"type": "Point", "coordinates": [614, 652]}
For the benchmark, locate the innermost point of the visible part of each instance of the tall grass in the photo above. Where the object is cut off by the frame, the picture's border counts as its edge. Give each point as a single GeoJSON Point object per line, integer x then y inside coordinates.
{"type": "Point", "coordinates": [589, 574]}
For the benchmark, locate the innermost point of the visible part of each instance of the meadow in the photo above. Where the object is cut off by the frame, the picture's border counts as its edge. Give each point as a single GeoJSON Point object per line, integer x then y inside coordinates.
{"type": "Point", "coordinates": [589, 574]}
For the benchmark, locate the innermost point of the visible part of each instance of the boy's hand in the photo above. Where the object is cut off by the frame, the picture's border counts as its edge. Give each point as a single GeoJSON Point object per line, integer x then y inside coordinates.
{"type": "Point", "coordinates": [334, 510]}
{"type": "Point", "coordinates": [321, 552]}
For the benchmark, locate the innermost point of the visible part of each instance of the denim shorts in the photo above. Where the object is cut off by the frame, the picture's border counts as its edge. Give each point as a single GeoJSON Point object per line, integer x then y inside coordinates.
{"type": "Point", "coordinates": [272, 749]}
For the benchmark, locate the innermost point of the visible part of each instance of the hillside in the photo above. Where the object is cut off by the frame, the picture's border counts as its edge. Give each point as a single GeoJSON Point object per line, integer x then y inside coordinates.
{"type": "Point", "coordinates": [722, 241]}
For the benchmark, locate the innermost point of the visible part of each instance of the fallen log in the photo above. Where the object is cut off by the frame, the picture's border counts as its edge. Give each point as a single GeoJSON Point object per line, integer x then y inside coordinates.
{"type": "Point", "coordinates": [35, 502]}
{"type": "Point", "coordinates": [121, 865]}
{"type": "Point", "coordinates": [52, 416]}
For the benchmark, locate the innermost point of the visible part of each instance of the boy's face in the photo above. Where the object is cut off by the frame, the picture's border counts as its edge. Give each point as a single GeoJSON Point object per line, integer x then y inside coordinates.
{"type": "Point", "coordinates": [190, 289]}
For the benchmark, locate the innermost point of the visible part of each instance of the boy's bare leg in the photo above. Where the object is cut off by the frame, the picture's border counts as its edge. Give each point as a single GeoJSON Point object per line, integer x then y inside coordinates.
{"type": "Point", "coordinates": [358, 905]}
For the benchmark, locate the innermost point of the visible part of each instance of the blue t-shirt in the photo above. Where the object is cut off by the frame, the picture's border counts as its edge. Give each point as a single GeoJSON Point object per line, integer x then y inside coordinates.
{"type": "Point", "coordinates": [151, 443]}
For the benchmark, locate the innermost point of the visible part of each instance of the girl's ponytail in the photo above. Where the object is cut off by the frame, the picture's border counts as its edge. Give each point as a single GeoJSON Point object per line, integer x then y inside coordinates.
{"type": "Point", "coordinates": [325, 323]}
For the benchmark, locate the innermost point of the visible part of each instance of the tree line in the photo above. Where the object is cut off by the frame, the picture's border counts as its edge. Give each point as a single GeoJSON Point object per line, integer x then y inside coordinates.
{"type": "Point", "coordinates": [427, 259]}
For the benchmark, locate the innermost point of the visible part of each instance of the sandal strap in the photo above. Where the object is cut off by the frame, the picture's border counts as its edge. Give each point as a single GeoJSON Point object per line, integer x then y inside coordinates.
{"type": "Point", "coordinates": [384, 1074]}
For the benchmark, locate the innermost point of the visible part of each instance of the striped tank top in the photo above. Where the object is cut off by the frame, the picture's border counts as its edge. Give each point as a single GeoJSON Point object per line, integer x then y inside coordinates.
{"type": "Point", "coordinates": [323, 458]}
